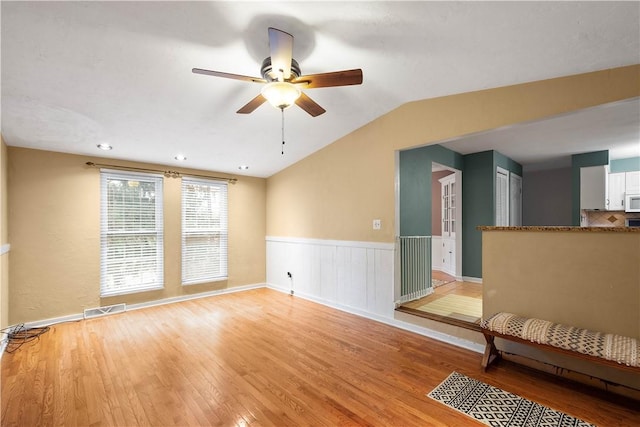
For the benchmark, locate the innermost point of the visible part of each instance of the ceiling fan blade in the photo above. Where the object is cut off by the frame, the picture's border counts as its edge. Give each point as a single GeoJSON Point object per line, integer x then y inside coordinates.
{"type": "Point", "coordinates": [228, 75]}
{"type": "Point", "coordinates": [309, 105]}
{"type": "Point", "coordinates": [281, 49]}
{"type": "Point", "coordinates": [250, 106]}
{"type": "Point", "coordinates": [336, 78]}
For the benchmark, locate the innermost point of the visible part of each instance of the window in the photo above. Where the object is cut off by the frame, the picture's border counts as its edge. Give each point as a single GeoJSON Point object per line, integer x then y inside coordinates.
{"type": "Point", "coordinates": [131, 251]}
{"type": "Point", "coordinates": [204, 231]}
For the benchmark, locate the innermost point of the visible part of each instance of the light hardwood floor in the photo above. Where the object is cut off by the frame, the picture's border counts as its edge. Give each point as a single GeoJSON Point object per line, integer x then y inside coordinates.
{"type": "Point", "coordinates": [468, 289]}
{"type": "Point", "coordinates": [258, 357]}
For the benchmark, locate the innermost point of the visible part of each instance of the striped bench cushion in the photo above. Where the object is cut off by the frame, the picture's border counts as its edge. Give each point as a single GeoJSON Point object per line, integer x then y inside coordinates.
{"type": "Point", "coordinates": [618, 348]}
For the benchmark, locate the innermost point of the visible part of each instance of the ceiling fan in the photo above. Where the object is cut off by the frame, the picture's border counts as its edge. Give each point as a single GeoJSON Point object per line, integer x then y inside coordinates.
{"type": "Point", "coordinates": [283, 80]}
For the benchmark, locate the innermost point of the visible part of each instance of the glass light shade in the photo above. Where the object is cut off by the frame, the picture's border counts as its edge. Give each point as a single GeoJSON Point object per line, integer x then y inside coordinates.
{"type": "Point", "coordinates": [281, 94]}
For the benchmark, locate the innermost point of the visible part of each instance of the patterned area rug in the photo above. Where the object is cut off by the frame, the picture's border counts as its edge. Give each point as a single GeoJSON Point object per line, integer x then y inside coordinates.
{"type": "Point", "coordinates": [494, 407]}
{"type": "Point", "coordinates": [459, 307]}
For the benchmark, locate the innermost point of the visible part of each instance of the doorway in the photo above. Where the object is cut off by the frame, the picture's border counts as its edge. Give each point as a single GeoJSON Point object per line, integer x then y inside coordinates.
{"type": "Point", "coordinates": [453, 300]}
{"type": "Point", "coordinates": [446, 221]}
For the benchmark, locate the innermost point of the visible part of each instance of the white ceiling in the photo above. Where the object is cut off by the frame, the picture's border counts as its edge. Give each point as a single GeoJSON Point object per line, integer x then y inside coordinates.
{"type": "Point", "coordinates": [549, 143]}
{"type": "Point", "coordinates": [76, 74]}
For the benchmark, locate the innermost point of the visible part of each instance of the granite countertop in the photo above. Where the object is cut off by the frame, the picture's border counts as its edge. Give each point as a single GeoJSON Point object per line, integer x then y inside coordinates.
{"type": "Point", "coordinates": [560, 228]}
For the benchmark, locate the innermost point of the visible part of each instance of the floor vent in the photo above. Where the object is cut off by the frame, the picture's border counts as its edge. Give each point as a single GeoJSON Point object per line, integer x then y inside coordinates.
{"type": "Point", "coordinates": [103, 311]}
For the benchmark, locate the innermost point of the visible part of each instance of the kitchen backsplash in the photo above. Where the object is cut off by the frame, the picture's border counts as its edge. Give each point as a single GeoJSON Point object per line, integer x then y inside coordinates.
{"type": "Point", "coordinates": [606, 218]}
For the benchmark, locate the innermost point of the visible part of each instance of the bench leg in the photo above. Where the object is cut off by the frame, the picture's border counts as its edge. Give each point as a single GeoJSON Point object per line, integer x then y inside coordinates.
{"type": "Point", "coordinates": [490, 352]}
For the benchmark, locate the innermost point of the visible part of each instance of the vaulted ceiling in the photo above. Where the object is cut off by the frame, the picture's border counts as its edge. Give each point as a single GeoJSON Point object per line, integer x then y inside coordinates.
{"type": "Point", "coordinates": [77, 74]}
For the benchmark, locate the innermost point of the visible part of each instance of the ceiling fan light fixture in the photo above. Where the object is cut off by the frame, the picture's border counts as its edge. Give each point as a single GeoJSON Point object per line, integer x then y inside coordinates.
{"type": "Point", "coordinates": [281, 94]}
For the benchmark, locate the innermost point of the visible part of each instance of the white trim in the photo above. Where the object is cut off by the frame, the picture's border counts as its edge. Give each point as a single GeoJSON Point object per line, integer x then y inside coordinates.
{"type": "Point", "coordinates": [324, 242]}
{"type": "Point", "coordinates": [430, 333]}
{"type": "Point", "coordinates": [472, 279]}
{"type": "Point", "coordinates": [439, 336]}
{"type": "Point", "coordinates": [53, 321]}
{"type": "Point", "coordinates": [181, 298]}
{"type": "Point", "coordinates": [5, 248]}
{"type": "Point", "coordinates": [170, 300]}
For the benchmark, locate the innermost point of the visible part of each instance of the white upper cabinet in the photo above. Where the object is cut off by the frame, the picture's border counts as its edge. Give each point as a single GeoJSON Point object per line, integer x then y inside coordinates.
{"type": "Point", "coordinates": [615, 201]}
{"type": "Point", "coordinates": [632, 182]}
{"type": "Point", "coordinates": [593, 187]}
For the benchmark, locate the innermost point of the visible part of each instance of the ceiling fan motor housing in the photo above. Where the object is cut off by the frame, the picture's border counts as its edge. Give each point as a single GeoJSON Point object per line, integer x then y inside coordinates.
{"type": "Point", "coordinates": [270, 75]}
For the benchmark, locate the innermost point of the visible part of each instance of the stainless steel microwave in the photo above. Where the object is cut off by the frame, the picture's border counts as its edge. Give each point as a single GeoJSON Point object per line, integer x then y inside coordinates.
{"type": "Point", "coordinates": [632, 203]}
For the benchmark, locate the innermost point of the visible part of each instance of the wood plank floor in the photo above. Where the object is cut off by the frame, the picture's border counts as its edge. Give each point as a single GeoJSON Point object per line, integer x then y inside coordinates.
{"type": "Point", "coordinates": [260, 358]}
{"type": "Point", "coordinates": [453, 287]}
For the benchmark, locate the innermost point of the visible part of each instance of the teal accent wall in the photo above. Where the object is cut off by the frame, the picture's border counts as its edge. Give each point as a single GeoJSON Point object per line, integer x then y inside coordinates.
{"type": "Point", "coordinates": [595, 158]}
{"type": "Point", "coordinates": [631, 164]}
{"type": "Point", "coordinates": [478, 208]}
{"type": "Point", "coordinates": [479, 203]}
{"type": "Point", "coordinates": [506, 163]}
{"type": "Point", "coordinates": [478, 195]}
{"type": "Point", "coordinates": [415, 186]}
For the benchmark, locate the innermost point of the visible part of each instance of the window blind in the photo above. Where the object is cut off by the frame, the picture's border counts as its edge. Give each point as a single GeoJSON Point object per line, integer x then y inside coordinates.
{"type": "Point", "coordinates": [204, 230]}
{"type": "Point", "coordinates": [131, 233]}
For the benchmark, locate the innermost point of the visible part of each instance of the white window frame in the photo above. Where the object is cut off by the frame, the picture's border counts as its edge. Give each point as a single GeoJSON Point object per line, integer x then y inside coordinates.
{"type": "Point", "coordinates": [140, 280]}
{"type": "Point", "coordinates": [206, 259]}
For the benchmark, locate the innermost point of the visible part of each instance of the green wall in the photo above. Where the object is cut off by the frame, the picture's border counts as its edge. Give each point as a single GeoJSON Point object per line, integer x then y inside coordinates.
{"type": "Point", "coordinates": [479, 203]}
{"type": "Point", "coordinates": [478, 195]}
{"type": "Point", "coordinates": [595, 158]}
{"type": "Point", "coordinates": [415, 186]}
{"type": "Point", "coordinates": [506, 163]}
{"type": "Point", "coordinates": [478, 208]}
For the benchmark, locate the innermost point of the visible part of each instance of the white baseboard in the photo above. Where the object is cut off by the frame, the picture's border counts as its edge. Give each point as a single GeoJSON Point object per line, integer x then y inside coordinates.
{"type": "Point", "coordinates": [170, 300]}
{"type": "Point", "coordinates": [53, 321]}
{"type": "Point", "coordinates": [472, 279]}
{"type": "Point", "coordinates": [469, 345]}
{"type": "Point", "coordinates": [439, 336]}
{"type": "Point", "coordinates": [181, 298]}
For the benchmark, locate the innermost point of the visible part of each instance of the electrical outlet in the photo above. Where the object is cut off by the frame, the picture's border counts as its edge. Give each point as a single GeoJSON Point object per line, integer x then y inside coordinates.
{"type": "Point", "coordinates": [377, 224]}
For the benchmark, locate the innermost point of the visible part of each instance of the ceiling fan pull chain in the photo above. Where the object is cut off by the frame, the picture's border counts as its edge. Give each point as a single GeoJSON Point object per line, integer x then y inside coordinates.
{"type": "Point", "coordinates": [282, 111]}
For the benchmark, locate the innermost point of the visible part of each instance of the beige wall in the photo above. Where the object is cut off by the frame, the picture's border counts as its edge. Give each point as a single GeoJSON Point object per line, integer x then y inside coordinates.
{"type": "Point", "coordinates": [55, 235]}
{"type": "Point", "coordinates": [585, 279]}
{"type": "Point", "coordinates": [336, 192]}
{"type": "Point", "coordinates": [4, 238]}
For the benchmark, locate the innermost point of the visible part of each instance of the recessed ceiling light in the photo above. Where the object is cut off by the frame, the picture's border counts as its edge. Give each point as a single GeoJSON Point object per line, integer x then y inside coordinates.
{"type": "Point", "coordinates": [105, 147]}
{"type": "Point", "coordinates": [180, 157]}
{"type": "Point", "coordinates": [243, 167]}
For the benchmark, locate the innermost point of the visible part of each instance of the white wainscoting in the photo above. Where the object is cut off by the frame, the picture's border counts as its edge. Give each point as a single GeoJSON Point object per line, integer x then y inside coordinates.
{"type": "Point", "coordinates": [357, 276]}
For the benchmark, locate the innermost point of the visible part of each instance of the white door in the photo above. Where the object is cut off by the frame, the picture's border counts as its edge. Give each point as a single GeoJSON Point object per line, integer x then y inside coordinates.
{"type": "Point", "coordinates": [515, 200]}
{"type": "Point", "coordinates": [449, 202]}
{"type": "Point", "coordinates": [502, 197]}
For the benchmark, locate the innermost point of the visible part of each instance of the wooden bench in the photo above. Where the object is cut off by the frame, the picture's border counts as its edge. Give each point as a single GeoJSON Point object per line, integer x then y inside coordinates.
{"type": "Point", "coordinates": [612, 350]}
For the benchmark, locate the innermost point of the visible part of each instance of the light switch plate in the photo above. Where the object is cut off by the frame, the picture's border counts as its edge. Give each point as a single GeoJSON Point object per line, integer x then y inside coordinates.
{"type": "Point", "coordinates": [377, 224]}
